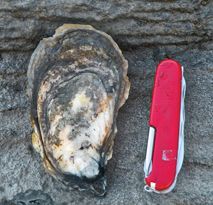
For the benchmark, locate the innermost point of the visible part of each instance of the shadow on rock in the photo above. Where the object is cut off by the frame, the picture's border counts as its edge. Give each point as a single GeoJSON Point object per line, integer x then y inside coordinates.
{"type": "Point", "coordinates": [30, 197]}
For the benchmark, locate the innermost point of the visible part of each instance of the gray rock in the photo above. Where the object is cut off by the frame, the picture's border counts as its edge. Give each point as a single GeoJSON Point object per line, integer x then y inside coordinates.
{"type": "Point", "coordinates": [22, 169]}
{"type": "Point", "coordinates": [178, 29]}
{"type": "Point", "coordinates": [24, 23]}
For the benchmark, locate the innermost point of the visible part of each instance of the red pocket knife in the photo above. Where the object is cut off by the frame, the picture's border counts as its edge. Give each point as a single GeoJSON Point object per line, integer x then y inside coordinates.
{"type": "Point", "coordinates": [165, 148]}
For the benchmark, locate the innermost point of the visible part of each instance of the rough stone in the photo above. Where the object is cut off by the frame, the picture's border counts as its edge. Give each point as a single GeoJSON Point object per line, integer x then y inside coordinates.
{"type": "Point", "coordinates": [24, 23]}
{"type": "Point", "coordinates": [22, 169]}
{"type": "Point", "coordinates": [178, 29]}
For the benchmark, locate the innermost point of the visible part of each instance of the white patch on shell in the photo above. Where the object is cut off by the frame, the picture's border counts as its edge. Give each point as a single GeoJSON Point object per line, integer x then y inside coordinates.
{"type": "Point", "coordinates": [70, 157]}
{"type": "Point", "coordinates": [80, 101]}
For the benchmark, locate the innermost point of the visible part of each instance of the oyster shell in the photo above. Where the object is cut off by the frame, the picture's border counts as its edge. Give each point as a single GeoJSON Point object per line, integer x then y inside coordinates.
{"type": "Point", "coordinates": [77, 83]}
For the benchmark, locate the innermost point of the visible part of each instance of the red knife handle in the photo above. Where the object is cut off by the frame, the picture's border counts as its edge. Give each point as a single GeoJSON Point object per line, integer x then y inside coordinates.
{"type": "Point", "coordinates": [165, 118]}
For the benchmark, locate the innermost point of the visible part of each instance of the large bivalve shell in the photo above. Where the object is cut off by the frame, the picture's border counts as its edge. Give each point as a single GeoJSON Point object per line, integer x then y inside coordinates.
{"type": "Point", "coordinates": [77, 83]}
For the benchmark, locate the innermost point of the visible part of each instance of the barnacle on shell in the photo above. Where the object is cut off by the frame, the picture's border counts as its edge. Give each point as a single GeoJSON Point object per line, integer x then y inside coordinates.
{"type": "Point", "coordinates": [77, 83]}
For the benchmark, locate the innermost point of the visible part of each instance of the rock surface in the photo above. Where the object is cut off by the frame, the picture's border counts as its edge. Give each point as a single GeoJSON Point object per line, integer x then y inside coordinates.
{"type": "Point", "coordinates": [177, 29]}
{"type": "Point", "coordinates": [135, 22]}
